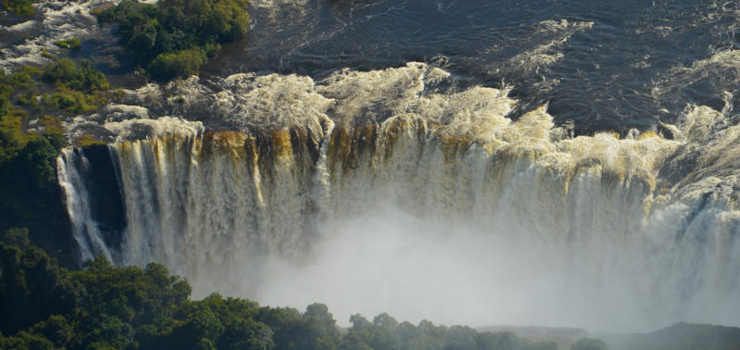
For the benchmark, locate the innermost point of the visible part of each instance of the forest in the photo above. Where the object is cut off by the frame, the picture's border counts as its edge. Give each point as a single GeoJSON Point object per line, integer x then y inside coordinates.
{"type": "Point", "coordinates": [45, 306]}
{"type": "Point", "coordinates": [51, 300]}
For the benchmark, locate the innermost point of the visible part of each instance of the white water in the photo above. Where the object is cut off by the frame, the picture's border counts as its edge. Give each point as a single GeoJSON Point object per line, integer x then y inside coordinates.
{"type": "Point", "coordinates": [370, 192]}
{"type": "Point", "coordinates": [58, 20]}
{"type": "Point", "coordinates": [70, 169]}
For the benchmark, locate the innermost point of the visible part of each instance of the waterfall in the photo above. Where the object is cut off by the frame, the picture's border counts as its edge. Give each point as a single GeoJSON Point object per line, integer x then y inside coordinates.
{"type": "Point", "coordinates": [467, 216]}
{"type": "Point", "coordinates": [71, 169]}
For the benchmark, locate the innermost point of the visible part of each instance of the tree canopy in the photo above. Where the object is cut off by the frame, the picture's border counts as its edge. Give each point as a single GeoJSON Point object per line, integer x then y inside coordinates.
{"type": "Point", "coordinates": [106, 307]}
{"type": "Point", "coordinates": [175, 37]}
{"type": "Point", "coordinates": [32, 102]}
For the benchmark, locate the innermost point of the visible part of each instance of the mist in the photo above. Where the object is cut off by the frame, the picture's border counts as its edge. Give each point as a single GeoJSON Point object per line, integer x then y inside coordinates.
{"type": "Point", "coordinates": [458, 272]}
{"type": "Point", "coordinates": [447, 210]}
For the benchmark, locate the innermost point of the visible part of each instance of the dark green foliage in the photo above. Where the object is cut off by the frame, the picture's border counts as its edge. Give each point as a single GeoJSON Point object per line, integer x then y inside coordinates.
{"type": "Point", "coordinates": [106, 332]}
{"type": "Point", "coordinates": [70, 43]}
{"type": "Point", "coordinates": [53, 131]}
{"type": "Point", "coordinates": [15, 92]}
{"type": "Point", "coordinates": [246, 334]}
{"type": "Point", "coordinates": [178, 64]}
{"type": "Point", "coordinates": [106, 307]}
{"type": "Point", "coordinates": [589, 344]}
{"type": "Point", "coordinates": [9, 145]}
{"type": "Point", "coordinates": [32, 288]}
{"type": "Point", "coordinates": [73, 102]}
{"type": "Point", "coordinates": [72, 87]}
{"type": "Point", "coordinates": [26, 341]}
{"type": "Point", "coordinates": [26, 179]}
{"type": "Point", "coordinates": [56, 329]}
{"type": "Point", "coordinates": [387, 334]}
{"type": "Point", "coordinates": [21, 8]}
{"type": "Point", "coordinates": [16, 236]}
{"type": "Point", "coordinates": [284, 323]}
{"type": "Point", "coordinates": [29, 189]}
{"type": "Point", "coordinates": [38, 159]}
{"type": "Point", "coordinates": [314, 329]}
{"type": "Point", "coordinates": [31, 196]}
{"type": "Point", "coordinates": [201, 324]}
{"type": "Point", "coordinates": [66, 74]}
{"type": "Point", "coordinates": [175, 37]}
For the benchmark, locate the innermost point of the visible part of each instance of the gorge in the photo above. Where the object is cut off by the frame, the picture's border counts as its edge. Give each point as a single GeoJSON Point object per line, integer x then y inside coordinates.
{"type": "Point", "coordinates": [315, 191]}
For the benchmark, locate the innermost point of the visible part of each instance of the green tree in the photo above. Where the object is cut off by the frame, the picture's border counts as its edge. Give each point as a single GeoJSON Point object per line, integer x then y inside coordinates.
{"type": "Point", "coordinates": [56, 329]}
{"type": "Point", "coordinates": [31, 288]}
{"type": "Point", "coordinates": [66, 74]}
{"type": "Point", "coordinates": [246, 334]}
{"type": "Point", "coordinates": [17, 236]}
{"type": "Point", "coordinates": [26, 341]}
{"type": "Point", "coordinates": [318, 329]}
{"type": "Point", "coordinates": [108, 307]}
{"type": "Point", "coordinates": [460, 338]}
{"type": "Point", "coordinates": [285, 324]}
{"type": "Point", "coordinates": [175, 38]}
{"type": "Point", "coordinates": [178, 64]}
{"type": "Point", "coordinates": [589, 344]}
{"type": "Point", "coordinates": [39, 160]}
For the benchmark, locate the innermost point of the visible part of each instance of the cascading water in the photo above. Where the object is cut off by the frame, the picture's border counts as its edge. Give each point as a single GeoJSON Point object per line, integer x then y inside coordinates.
{"type": "Point", "coordinates": [70, 169]}
{"type": "Point", "coordinates": [382, 191]}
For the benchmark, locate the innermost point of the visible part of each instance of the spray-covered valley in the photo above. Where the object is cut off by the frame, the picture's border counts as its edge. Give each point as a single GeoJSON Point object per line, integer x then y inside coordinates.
{"type": "Point", "coordinates": [465, 163]}
{"type": "Point", "coordinates": [506, 221]}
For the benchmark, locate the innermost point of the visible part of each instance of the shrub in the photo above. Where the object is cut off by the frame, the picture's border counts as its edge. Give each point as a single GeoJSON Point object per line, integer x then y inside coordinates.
{"type": "Point", "coordinates": [70, 43]}
{"type": "Point", "coordinates": [87, 140]}
{"type": "Point", "coordinates": [73, 101]}
{"type": "Point", "coordinates": [66, 74]}
{"type": "Point", "coordinates": [178, 64]}
{"type": "Point", "coordinates": [21, 8]}
{"type": "Point", "coordinates": [53, 131]}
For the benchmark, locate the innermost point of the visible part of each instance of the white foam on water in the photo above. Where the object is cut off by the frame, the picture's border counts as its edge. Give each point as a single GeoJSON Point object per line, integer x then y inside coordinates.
{"type": "Point", "coordinates": [58, 20]}
{"type": "Point", "coordinates": [372, 192]}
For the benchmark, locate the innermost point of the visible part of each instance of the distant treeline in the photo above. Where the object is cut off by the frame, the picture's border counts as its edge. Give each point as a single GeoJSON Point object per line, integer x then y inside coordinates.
{"type": "Point", "coordinates": [44, 306]}
{"type": "Point", "coordinates": [681, 336]}
{"type": "Point", "coordinates": [175, 37]}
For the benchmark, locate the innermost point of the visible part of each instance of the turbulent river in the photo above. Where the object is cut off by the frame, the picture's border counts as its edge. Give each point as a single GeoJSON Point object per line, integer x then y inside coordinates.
{"type": "Point", "coordinates": [478, 162]}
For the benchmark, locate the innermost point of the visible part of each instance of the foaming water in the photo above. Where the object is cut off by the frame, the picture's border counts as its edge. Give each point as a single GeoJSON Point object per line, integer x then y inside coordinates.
{"type": "Point", "coordinates": [388, 191]}
{"type": "Point", "coordinates": [31, 42]}
{"type": "Point", "coordinates": [70, 169]}
{"type": "Point", "coordinates": [597, 63]}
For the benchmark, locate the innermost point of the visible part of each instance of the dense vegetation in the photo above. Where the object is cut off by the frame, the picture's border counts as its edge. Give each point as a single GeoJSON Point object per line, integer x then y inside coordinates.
{"type": "Point", "coordinates": [175, 37]}
{"type": "Point", "coordinates": [72, 43]}
{"type": "Point", "coordinates": [589, 344]}
{"type": "Point", "coordinates": [31, 134]}
{"type": "Point", "coordinates": [22, 8]}
{"type": "Point", "coordinates": [44, 306]}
